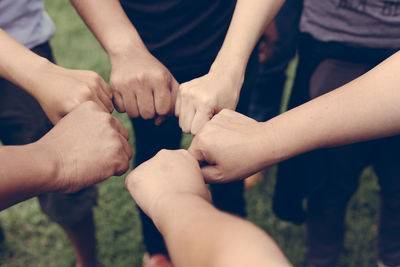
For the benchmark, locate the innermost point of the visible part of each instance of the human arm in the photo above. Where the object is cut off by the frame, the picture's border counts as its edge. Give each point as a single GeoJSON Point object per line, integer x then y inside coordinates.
{"type": "Point", "coordinates": [58, 90]}
{"type": "Point", "coordinates": [87, 146]}
{"type": "Point", "coordinates": [141, 85]}
{"type": "Point", "coordinates": [366, 108]}
{"type": "Point", "coordinates": [199, 99]}
{"type": "Point", "coordinates": [170, 189]}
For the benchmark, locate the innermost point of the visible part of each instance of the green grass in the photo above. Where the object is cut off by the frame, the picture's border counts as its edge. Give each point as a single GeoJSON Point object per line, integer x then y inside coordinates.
{"type": "Point", "coordinates": [33, 241]}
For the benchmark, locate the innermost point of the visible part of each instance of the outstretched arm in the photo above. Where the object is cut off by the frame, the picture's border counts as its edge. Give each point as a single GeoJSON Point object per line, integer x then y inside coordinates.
{"type": "Point", "coordinates": [170, 189]}
{"type": "Point", "coordinates": [58, 90]}
{"type": "Point", "coordinates": [198, 100]}
{"type": "Point", "coordinates": [86, 147]}
{"type": "Point", "coordinates": [366, 108]}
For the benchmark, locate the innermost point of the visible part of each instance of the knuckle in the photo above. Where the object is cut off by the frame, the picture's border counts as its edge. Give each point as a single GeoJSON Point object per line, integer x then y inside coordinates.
{"type": "Point", "coordinates": [140, 78]}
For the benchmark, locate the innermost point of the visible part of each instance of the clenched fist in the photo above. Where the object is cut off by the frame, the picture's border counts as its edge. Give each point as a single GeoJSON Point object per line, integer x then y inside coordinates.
{"type": "Point", "coordinates": [200, 99]}
{"type": "Point", "coordinates": [164, 176]}
{"type": "Point", "coordinates": [141, 85]}
{"type": "Point", "coordinates": [87, 146]}
{"type": "Point", "coordinates": [232, 146]}
{"type": "Point", "coordinates": [60, 90]}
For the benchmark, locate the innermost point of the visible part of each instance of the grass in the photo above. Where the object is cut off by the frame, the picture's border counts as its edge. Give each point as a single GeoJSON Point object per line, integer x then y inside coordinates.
{"type": "Point", "coordinates": [33, 241]}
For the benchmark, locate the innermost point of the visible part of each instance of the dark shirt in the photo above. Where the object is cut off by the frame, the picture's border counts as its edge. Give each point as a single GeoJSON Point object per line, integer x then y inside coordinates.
{"type": "Point", "coordinates": [182, 34]}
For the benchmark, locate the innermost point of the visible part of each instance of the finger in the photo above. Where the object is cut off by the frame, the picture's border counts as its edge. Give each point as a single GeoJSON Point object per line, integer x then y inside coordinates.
{"type": "Point", "coordinates": [186, 116]}
{"type": "Point", "coordinates": [178, 105]}
{"type": "Point", "coordinates": [118, 101]}
{"type": "Point", "coordinates": [196, 152]}
{"type": "Point", "coordinates": [174, 95]}
{"type": "Point", "coordinates": [123, 165]}
{"type": "Point", "coordinates": [212, 174]}
{"type": "Point", "coordinates": [105, 100]}
{"type": "Point", "coordinates": [200, 119]}
{"type": "Point", "coordinates": [127, 148]}
{"type": "Point", "coordinates": [145, 103]}
{"type": "Point", "coordinates": [106, 89]}
{"type": "Point", "coordinates": [117, 125]}
{"type": "Point", "coordinates": [100, 103]}
{"type": "Point", "coordinates": [131, 105]}
{"type": "Point", "coordinates": [162, 100]}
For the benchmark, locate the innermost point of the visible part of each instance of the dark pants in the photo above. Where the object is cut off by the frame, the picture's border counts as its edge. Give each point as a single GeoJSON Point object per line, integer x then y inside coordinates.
{"type": "Point", "coordinates": [22, 121]}
{"type": "Point", "coordinates": [265, 99]}
{"type": "Point", "coordinates": [330, 177]}
{"type": "Point", "coordinates": [150, 139]}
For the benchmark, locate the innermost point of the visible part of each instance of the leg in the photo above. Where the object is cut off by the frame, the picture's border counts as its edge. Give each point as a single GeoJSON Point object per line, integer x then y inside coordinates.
{"type": "Point", "coordinates": [149, 140]}
{"type": "Point", "coordinates": [327, 205]}
{"type": "Point", "coordinates": [387, 168]}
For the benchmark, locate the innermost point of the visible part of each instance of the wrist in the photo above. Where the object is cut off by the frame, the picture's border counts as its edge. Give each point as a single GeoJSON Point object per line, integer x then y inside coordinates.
{"type": "Point", "coordinates": [273, 147]}
{"type": "Point", "coordinates": [124, 49]}
{"type": "Point", "coordinates": [46, 166]}
{"type": "Point", "coordinates": [166, 210]}
{"type": "Point", "coordinates": [33, 76]}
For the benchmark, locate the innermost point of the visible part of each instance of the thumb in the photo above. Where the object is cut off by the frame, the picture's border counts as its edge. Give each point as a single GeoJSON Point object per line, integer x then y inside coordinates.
{"type": "Point", "coordinates": [196, 152]}
{"type": "Point", "coordinates": [212, 174]}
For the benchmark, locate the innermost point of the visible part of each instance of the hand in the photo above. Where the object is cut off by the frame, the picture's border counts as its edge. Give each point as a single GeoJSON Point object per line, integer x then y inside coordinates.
{"type": "Point", "coordinates": [61, 90]}
{"type": "Point", "coordinates": [200, 99]}
{"type": "Point", "coordinates": [168, 173]}
{"type": "Point", "coordinates": [232, 145]}
{"type": "Point", "coordinates": [88, 146]}
{"type": "Point", "coordinates": [141, 85]}
{"type": "Point", "coordinates": [267, 44]}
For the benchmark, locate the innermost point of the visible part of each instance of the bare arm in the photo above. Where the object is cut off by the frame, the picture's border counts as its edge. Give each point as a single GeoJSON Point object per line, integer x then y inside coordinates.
{"type": "Point", "coordinates": [86, 147]}
{"type": "Point", "coordinates": [198, 100]}
{"type": "Point", "coordinates": [363, 109]}
{"type": "Point", "coordinates": [58, 90]}
{"type": "Point", "coordinates": [142, 86]}
{"type": "Point", "coordinates": [171, 190]}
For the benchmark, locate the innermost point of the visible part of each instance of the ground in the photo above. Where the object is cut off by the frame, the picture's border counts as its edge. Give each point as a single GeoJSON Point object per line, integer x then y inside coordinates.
{"type": "Point", "coordinates": [33, 241]}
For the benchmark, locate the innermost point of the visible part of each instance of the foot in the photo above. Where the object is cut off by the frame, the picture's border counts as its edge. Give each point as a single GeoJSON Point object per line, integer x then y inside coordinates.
{"type": "Point", "coordinates": [156, 260]}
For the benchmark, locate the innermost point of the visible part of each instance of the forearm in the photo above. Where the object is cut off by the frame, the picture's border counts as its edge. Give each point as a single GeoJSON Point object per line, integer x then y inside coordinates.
{"type": "Point", "coordinates": [197, 234]}
{"type": "Point", "coordinates": [19, 65]}
{"type": "Point", "coordinates": [366, 108]}
{"type": "Point", "coordinates": [248, 23]}
{"type": "Point", "coordinates": [25, 171]}
{"type": "Point", "coordinates": [109, 23]}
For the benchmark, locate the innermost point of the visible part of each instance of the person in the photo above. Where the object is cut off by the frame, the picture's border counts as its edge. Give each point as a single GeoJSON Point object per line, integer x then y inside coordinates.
{"type": "Point", "coordinates": [372, 100]}
{"type": "Point", "coordinates": [86, 147]}
{"type": "Point", "coordinates": [196, 233]}
{"type": "Point", "coordinates": [337, 45]}
{"type": "Point", "coordinates": [183, 57]}
{"type": "Point", "coordinates": [276, 50]}
{"type": "Point", "coordinates": [178, 200]}
{"type": "Point", "coordinates": [58, 91]}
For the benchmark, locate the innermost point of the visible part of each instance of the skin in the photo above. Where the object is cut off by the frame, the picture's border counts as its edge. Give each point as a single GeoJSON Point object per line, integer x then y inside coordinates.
{"type": "Point", "coordinates": [170, 189]}
{"type": "Point", "coordinates": [366, 108]}
{"type": "Point", "coordinates": [58, 90]}
{"type": "Point", "coordinates": [200, 99]}
{"type": "Point", "coordinates": [142, 86]}
{"type": "Point", "coordinates": [85, 147]}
